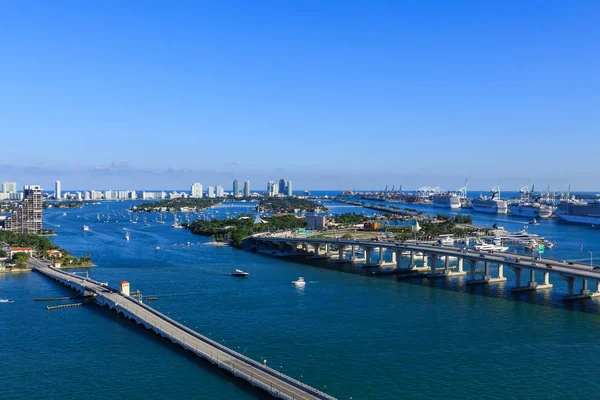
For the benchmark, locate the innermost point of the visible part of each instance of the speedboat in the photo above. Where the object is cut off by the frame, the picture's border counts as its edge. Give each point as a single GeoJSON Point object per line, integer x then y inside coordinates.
{"type": "Point", "coordinates": [533, 222]}
{"type": "Point", "coordinates": [85, 228]}
{"type": "Point", "coordinates": [6, 301]}
{"type": "Point", "coordinates": [239, 273]}
{"type": "Point", "coordinates": [127, 236]}
{"type": "Point", "coordinates": [299, 282]}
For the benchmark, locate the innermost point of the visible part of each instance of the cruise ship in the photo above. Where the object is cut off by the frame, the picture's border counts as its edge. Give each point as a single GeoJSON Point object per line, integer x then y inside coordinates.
{"type": "Point", "coordinates": [450, 199]}
{"type": "Point", "coordinates": [446, 200]}
{"type": "Point", "coordinates": [525, 207]}
{"type": "Point", "coordinates": [579, 212]}
{"type": "Point", "coordinates": [492, 205]}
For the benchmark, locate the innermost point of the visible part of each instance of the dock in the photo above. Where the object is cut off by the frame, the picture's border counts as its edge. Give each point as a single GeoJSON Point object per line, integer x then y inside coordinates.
{"type": "Point", "coordinates": [257, 374]}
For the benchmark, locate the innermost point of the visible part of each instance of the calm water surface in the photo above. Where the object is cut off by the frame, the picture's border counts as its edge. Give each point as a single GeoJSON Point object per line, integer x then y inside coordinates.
{"type": "Point", "coordinates": [353, 336]}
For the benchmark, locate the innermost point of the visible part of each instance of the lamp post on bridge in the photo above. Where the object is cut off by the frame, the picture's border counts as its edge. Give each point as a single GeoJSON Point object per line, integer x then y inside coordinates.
{"type": "Point", "coordinates": [591, 259]}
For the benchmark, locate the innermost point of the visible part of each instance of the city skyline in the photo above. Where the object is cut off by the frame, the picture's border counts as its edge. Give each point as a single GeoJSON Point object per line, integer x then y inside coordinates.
{"type": "Point", "coordinates": [437, 93]}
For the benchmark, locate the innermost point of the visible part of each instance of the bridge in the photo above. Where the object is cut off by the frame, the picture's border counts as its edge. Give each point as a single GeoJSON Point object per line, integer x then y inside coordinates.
{"type": "Point", "coordinates": [436, 261]}
{"type": "Point", "coordinates": [259, 375]}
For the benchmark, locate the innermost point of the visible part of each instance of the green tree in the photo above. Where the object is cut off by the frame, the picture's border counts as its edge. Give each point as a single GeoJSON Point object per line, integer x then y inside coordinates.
{"type": "Point", "coordinates": [20, 258]}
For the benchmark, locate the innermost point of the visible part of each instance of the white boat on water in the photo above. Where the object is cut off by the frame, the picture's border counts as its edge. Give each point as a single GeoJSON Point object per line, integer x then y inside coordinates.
{"type": "Point", "coordinates": [127, 236]}
{"type": "Point", "coordinates": [240, 274]}
{"type": "Point", "coordinates": [482, 246]}
{"type": "Point", "coordinates": [299, 282]}
{"type": "Point", "coordinates": [446, 240]}
{"type": "Point", "coordinates": [85, 228]}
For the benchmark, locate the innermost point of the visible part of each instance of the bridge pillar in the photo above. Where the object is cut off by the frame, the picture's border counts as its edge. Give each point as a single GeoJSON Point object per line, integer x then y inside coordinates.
{"type": "Point", "coordinates": [394, 257]}
{"type": "Point", "coordinates": [341, 253]}
{"type": "Point", "coordinates": [532, 282]}
{"type": "Point", "coordinates": [472, 270]}
{"type": "Point", "coordinates": [584, 288]}
{"type": "Point", "coordinates": [598, 287]}
{"type": "Point", "coordinates": [486, 271]}
{"type": "Point", "coordinates": [446, 264]}
{"type": "Point", "coordinates": [353, 254]}
{"type": "Point", "coordinates": [412, 260]}
{"type": "Point", "coordinates": [380, 256]}
{"type": "Point", "coordinates": [367, 255]}
{"type": "Point", "coordinates": [326, 248]}
{"type": "Point", "coordinates": [460, 264]}
{"type": "Point", "coordinates": [500, 271]}
{"type": "Point", "coordinates": [433, 267]}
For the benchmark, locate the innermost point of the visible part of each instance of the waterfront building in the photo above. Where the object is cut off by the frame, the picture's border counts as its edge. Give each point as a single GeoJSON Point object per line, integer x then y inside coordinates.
{"type": "Point", "coordinates": [78, 196]}
{"type": "Point", "coordinates": [87, 195]}
{"type": "Point", "coordinates": [57, 190]}
{"type": "Point", "coordinates": [196, 190]}
{"type": "Point", "coordinates": [316, 222]}
{"type": "Point", "coordinates": [9, 187]}
{"type": "Point", "coordinates": [288, 188]}
{"type": "Point", "coordinates": [247, 189]}
{"type": "Point", "coordinates": [153, 195]}
{"type": "Point", "coordinates": [236, 188]}
{"type": "Point", "coordinates": [96, 195]}
{"type": "Point", "coordinates": [27, 217]}
{"type": "Point", "coordinates": [220, 191]}
{"type": "Point", "coordinates": [108, 195]}
{"type": "Point", "coordinates": [282, 185]}
{"type": "Point", "coordinates": [211, 192]}
{"type": "Point", "coordinates": [132, 195]}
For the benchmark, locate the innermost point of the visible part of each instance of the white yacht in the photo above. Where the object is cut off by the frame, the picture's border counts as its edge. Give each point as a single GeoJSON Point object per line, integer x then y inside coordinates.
{"type": "Point", "coordinates": [240, 274]}
{"type": "Point", "coordinates": [446, 240]}
{"type": "Point", "coordinates": [127, 236]}
{"type": "Point", "coordinates": [299, 282]}
{"type": "Point", "coordinates": [85, 228]}
{"type": "Point", "coordinates": [481, 246]}
{"type": "Point", "coordinates": [492, 205]}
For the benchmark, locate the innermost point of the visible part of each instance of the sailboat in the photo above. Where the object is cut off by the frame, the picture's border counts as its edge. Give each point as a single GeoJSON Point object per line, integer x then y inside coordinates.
{"type": "Point", "coordinates": [127, 236]}
{"type": "Point", "coordinates": [175, 222]}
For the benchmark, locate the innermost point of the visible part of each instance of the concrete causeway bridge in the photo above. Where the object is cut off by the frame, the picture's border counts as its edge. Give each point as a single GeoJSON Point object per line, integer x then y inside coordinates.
{"type": "Point", "coordinates": [435, 261]}
{"type": "Point", "coordinates": [274, 382]}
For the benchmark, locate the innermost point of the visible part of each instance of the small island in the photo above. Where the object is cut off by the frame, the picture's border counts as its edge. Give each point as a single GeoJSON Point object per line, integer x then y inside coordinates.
{"type": "Point", "coordinates": [65, 204]}
{"type": "Point", "coordinates": [21, 246]}
{"type": "Point", "coordinates": [191, 204]}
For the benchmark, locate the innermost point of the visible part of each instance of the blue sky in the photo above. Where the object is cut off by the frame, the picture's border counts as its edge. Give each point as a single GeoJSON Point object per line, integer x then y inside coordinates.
{"type": "Point", "coordinates": [332, 95]}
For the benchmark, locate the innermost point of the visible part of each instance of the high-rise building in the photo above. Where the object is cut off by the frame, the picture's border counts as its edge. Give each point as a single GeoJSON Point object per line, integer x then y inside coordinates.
{"type": "Point", "coordinates": [220, 191]}
{"type": "Point", "coordinates": [9, 187]}
{"type": "Point", "coordinates": [27, 218]}
{"type": "Point", "coordinates": [196, 190]}
{"type": "Point", "coordinates": [211, 192]}
{"type": "Point", "coordinates": [87, 195]}
{"type": "Point", "coordinates": [247, 189]}
{"type": "Point", "coordinates": [272, 189]}
{"type": "Point", "coordinates": [282, 185]}
{"type": "Point", "coordinates": [236, 188]}
{"type": "Point", "coordinates": [288, 188]}
{"type": "Point", "coordinates": [57, 191]}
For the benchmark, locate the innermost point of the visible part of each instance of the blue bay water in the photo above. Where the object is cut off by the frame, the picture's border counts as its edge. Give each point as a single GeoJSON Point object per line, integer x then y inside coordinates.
{"type": "Point", "coordinates": [349, 334]}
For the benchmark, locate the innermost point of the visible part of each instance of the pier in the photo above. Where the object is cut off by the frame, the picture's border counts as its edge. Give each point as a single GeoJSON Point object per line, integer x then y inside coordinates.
{"type": "Point", "coordinates": [257, 374]}
{"type": "Point", "coordinates": [435, 261]}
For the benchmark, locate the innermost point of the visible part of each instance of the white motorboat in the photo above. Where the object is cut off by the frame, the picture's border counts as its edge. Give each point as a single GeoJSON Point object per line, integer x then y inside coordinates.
{"type": "Point", "coordinates": [481, 246]}
{"type": "Point", "coordinates": [85, 228]}
{"type": "Point", "coordinates": [127, 236]}
{"type": "Point", "coordinates": [240, 274]}
{"type": "Point", "coordinates": [299, 282]}
{"type": "Point", "coordinates": [446, 240]}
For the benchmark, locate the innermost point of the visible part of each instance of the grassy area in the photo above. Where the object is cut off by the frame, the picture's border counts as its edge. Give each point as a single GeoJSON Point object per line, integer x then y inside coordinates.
{"type": "Point", "coordinates": [174, 205]}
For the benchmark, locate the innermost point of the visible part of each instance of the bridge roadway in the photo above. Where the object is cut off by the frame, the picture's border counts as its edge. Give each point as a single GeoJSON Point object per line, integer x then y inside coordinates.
{"type": "Point", "coordinates": [272, 381]}
{"type": "Point", "coordinates": [564, 268]}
